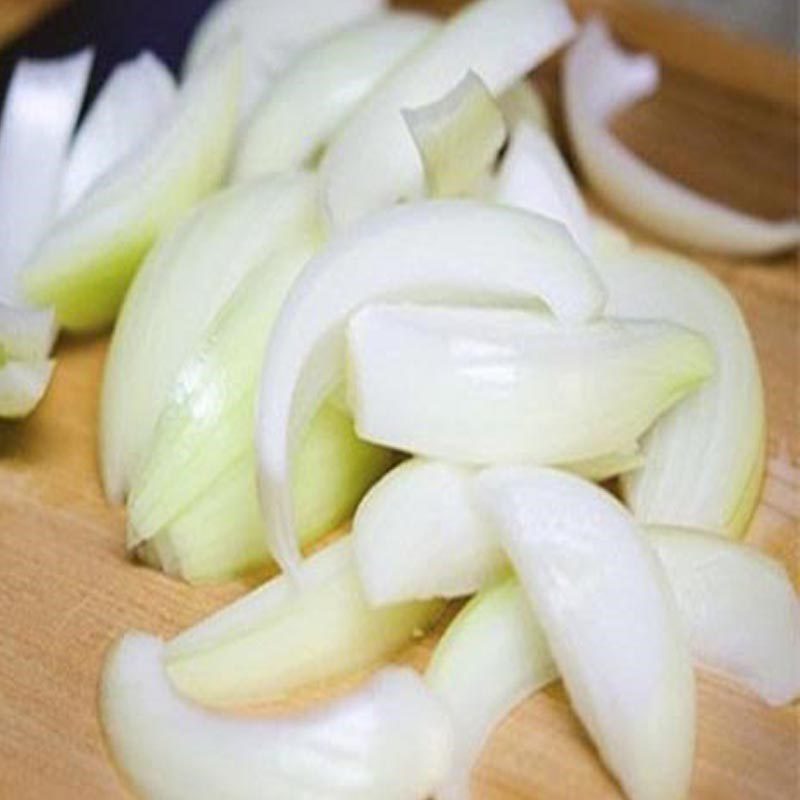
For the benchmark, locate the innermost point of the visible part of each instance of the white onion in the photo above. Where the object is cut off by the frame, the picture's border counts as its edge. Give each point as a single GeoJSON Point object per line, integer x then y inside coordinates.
{"type": "Point", "coordinates": [389, 740]}
{"type": "Point", "coordinates": [609, 618]}
{"type": "Point", "coordinates": [40, 111]}
{"type": "Point", "coordinates": [600, 80]}
{"type": "Point", "coordinates": [372, 162]}
{"type": "Point", "coordinates": [318, 91]}
{"type": "Point", "coordinates": [436, 251]}
{"type": "Point", "coordinates": [133, 102]}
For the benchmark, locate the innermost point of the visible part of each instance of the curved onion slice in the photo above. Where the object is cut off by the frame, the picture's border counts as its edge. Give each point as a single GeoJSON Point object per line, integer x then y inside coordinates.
{"type": "Point", "coordinates": [278, 638]}
{"type": "Point", "coordinates": [389, 740]}
{"type": "Point", "coordinates": [489, 386]}
{"type": "Point", "coordinates": [25, 333]}
{"type": "Point", "coordinates": [742, 613]}
{"type": "Point", "coordinates": [419, 533]}
{"type": "Point", "coordinates": [577, 551]}
{"type": "Point", "coordinates": [219, 535]}
{"type": "Point", "coordinates": [436, 251]}
{"type": "Point", "coordinates": [495, 643]}
{"type": "Point", "coordinates": [704, 459]}
{"type": "Point", "coordinates": [40, 111]}
{"type": "Point", "coordinates": [533, 176]}
{"type": "Point", "coordinates": [85, 264]}
{"type": "Point", "coordinates": [272, 33]}
{"type": "Point", "coordinates": [312, 98]}
{"type": "Point", "coordinates": [182, 285]}
{"type": "Point", "coordinates": [134, 101]}
{"type": "Point", "coordinates": [458, 136]}
{"type": "Point", "coordinates": [206, 421]}
{"type": "Point", "coordinates": [752, 637]}
{"type": "Point", "coordinates": [599, 80]}
{"type": "Point", "coordinates": [499, 40]}
{"type": "Point", "coordinates": [22, 386]}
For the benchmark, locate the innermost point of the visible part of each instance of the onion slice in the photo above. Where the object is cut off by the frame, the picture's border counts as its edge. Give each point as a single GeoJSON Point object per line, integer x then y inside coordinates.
{"type": "Point", "coordinates": [458, 137]}
{"type": "Point", "coordinates": [176, 295]}
{"type": "Point", "coordinates": [277, 638]}
{"type": "Point", "coordinates": [134, 101]}
{"type": "Point", "coordinates": [576, 550]}
{"type": "Point", "coordinates": [499, 40]}
{"type": "Point", "coordinates": [704, 459]}
{"type": "Point", "coordinates": [434, 250]}
{"type": "Point", "coordinates": [600, 80]}
{"type": "Point", "coordinates": [751, 637]}
{"type": "Point", "coordinates": [523, 103]}
{"type": "Point", "coordinates": [25, 333]}
{"type": "Point", "coordinates": [391, 739]}
{"type": "Point", "coordinates": [489, 386]}
{"type": "Point", "coordinates": [533, 176]}
{"type": "Point", "coordinates": [22, 386]}
{"type": "Point", "coordinates": [495, 643]}
{"type": "Point", "coordinates": [741, 610]}
{"type": "Point", "coordinates": [317, 92]}
{"type": "Point", "coordinates": [213, 391]}
{"type": "Point", "coordinates": [88, 259]}
{"type": "Point", "coordinates": [272, 33]}
{"type": "Point", "coordinates": [40, 111]}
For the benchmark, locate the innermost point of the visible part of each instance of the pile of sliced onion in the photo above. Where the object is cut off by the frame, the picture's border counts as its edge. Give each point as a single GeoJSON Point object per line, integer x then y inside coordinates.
{"type": "Point", "coordinates": [403, 266]}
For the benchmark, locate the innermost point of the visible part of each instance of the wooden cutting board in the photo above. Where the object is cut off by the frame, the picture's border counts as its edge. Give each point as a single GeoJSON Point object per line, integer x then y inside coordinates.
{"type": "Point", "coordinates": [724, 122]}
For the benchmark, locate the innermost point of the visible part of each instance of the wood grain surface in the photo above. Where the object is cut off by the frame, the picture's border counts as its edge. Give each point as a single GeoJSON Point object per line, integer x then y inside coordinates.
{"type": "Point", "coordinates": [726, 123]}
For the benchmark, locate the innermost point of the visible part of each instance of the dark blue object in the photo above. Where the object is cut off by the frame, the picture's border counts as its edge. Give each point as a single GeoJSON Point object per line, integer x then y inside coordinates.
{"type": "Point", "coordinates": [117, 29]}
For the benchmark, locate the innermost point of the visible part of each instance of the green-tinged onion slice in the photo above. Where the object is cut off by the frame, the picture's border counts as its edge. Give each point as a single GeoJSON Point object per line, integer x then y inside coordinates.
{"type": "Point", "coordinates": [458, 137]}
{"type": "Point", "coordinates": [182, 285]}
{"type": "Point", "coordinates": [278, 637]}
{"type": "Point", "coordinates": [85, 264]}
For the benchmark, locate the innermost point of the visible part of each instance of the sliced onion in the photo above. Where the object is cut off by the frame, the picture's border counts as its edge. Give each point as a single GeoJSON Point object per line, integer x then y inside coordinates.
{"type": "Point", "coordinates": [180, 288]}
{"type": "Point", "coordinates": [389, 739]}
{"type": "Point", "coordinates": [41, 108]}
{"type": "Point", "coordinates": [419, 533]}
{"type": "Point", "coordinates": [750, 636]}
{"type": "Point", "coordinates": [213, 393]}
{"type": "Point", "coordinates": [600, 80]}
{"type": "Point", "coordinates": [277, 638]}
{"type": "Point", "coordinates": [372, 162]}
{"type": "Point", "coordinates": [523, 103]}
{"type": "Point", "coordinates": [533, 176]}
{"type": "Point", "coordinates": [272, 34]}
{"type": "Point", "coordinates": [25, 333]}
{"type": "Point", "coordinates": [741, 609]}
{"type": "Point", "coordinates": [436, 251]}
{"type": "Point", "coordinates": [133, 103]}
{"type": "Point", "coordinates": [219, 535]}
{"type": "Point", "coordinates": [312, 98]}
{"type": "Point", "coordinates": [458, 137]}
{"type": "Point", "coordinates": [22, 386]}
{"type": "Point", "coordinates": [489, 386]}
{"type": "Point", "coordinates": [577, 551]}
{"type": "Point", "coordinates": [704, 459]}
{"type": "Point", "coordinates": [492, 656]}
{"type": "Point", "coordinates": [85, 264]}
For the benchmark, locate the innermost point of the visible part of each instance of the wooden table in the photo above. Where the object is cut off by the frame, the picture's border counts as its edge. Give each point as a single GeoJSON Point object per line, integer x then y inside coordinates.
{"type": "Point", "coordinates": [725, 122]}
